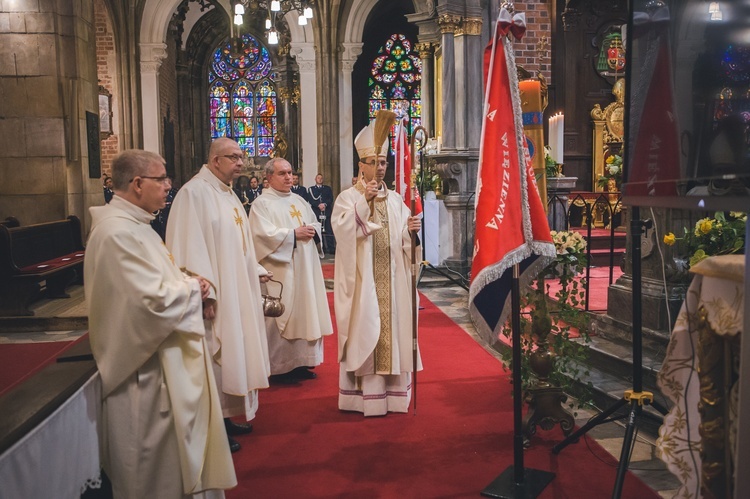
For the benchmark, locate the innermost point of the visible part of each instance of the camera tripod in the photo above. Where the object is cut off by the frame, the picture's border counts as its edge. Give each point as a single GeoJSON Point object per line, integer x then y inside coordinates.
{"type": "Point", "coordinates": [636, 397]}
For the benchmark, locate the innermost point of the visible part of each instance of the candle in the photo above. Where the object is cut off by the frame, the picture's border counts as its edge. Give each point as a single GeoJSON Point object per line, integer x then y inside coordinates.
{"type": "Point", "coordinates": [553, 137]}
{"type": "Point", "coordinates": [560, 138]}
{"type": "Point", "coordinates": [556, 129]}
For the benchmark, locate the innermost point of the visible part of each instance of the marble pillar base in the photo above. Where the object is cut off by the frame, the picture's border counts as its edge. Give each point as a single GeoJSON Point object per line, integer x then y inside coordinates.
{"type": "Point", "coordinates": [653, 305]}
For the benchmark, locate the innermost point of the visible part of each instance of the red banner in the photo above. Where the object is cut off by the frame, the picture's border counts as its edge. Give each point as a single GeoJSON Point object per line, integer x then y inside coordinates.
{"type": "Point", "coordinates": [403, 169]}
{"type": "Point", "coordinates": [653, 161]}
{"type": "Point", "coordinates": [510, 224]}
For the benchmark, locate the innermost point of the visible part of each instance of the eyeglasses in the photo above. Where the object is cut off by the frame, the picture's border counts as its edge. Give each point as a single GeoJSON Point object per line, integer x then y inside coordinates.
{"type": "Point", "coordinates": [233, 157]}
{"type": "Point", "coordinates": [162, 180]}
{"type": "Point", "coordinates": [381, 162]}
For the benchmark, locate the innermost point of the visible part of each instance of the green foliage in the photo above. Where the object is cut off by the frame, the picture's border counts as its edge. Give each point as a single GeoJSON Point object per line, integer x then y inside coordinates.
{"type": "Point", "coordinates": [550, 167]}
{"type": "Point", "coordinates": [721, 235]}
{"type": "Point", "coordinates": [428, 179]}
{"type": "Point", "coordinates": [547, 319]}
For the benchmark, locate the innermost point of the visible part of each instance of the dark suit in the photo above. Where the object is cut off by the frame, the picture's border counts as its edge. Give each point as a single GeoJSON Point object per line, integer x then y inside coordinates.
{"type": "Point", "coordinates": [301, 191]}
{"type": "Point", "coordinates": [323, 194]}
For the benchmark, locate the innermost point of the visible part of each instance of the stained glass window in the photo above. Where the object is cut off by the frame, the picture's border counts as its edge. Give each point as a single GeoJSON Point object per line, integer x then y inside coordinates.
{"type": "Point", "coordinates": [395, 81]}
{"type": "Point", "coordinates": [242, 97]}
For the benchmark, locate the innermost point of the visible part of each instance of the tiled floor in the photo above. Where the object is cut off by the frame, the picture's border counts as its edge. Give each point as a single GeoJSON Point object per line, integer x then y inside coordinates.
{"type": "Point", "coordinates": [452, 300]}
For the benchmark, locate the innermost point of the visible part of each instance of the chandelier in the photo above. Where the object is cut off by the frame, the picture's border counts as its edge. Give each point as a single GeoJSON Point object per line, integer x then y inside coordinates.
{"type": "Point", "coordinates": [274, 10]}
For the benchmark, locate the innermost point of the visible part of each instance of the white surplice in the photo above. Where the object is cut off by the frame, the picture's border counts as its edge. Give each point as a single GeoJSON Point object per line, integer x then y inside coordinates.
{"type": "Point", "coordinates": [357, 308]}
{"type": "Point", "coordinates": [295, 339]}
{"type": "Point", "coordinates": [208, 234]}
{"type": "Point", "coordinates": [163, 435]}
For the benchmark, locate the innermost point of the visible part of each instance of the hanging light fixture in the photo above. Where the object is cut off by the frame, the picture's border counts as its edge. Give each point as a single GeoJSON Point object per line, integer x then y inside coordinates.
{"type": "Point", "coordinates": [274, 10]}
{"type": "Point", "coordinates": [715, 10]}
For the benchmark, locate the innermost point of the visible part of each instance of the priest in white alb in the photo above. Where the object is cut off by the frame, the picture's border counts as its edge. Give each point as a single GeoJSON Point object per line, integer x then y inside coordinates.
{"type": "Point", "coordinates": [284, 227]}
{"type": "Point", "coordinates": [208, 234]}
{"type": "Point", "coordinates": [372, 287]}
{"type": "Point", "coordinates": [162, 433]}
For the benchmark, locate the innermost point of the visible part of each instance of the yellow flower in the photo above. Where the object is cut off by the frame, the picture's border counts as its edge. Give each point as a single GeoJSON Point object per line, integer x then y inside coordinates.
{"type": "Point", "coordinates": [703, 226]}
{"type": "Point", "coordinates": [610, 159]}
{"type": "Point", "coordinates": [669, 239]}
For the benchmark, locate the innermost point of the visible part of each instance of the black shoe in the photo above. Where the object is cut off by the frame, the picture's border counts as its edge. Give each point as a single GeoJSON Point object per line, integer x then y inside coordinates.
{"type": "Point", "coordinates": [303, 373]}
{"type": "Point", "coordinates": [237, 428]}
{"type": "Point", "coordinates": [234, 445]}
{"type": "Point", "coordinates": [283, 379]}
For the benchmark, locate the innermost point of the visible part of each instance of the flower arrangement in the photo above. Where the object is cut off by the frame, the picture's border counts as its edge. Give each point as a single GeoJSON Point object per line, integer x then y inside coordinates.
{"type": "Point", "coordinates": [720, 235]}
{"type": "Point", "coordinates": [571, 249]}
{"type": "Point", "coordinates": [551, 168]}
{"type": "Point", "coordinates": [546, 321]}
{"type": "Point", "coordinates": [612, 171]}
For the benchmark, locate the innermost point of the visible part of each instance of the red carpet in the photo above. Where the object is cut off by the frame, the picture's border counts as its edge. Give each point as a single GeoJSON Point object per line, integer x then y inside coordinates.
{"type": "Point", "coordinates": [459, 441]}
{"type": "Point", "coordinates": [327, 270]}
{"type": "Point", "coordinates": [598, 284]}
{"type": "Point", "coordinates": [18, 361]}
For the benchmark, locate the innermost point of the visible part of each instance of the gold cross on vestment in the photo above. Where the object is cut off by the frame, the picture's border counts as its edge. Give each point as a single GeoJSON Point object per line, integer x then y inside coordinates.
{"type": "Point", "coordinates": [240, 223]}
{"type": "Point", "coordinates": [295, 213]}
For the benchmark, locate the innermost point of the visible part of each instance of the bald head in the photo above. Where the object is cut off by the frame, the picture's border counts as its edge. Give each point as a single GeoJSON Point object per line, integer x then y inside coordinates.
{"type": "Point", "coordinates": [225, 159]}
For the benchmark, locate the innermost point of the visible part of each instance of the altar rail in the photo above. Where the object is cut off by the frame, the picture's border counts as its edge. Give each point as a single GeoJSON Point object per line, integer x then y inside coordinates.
{"type": "Point", "coordinates": [592, 214]}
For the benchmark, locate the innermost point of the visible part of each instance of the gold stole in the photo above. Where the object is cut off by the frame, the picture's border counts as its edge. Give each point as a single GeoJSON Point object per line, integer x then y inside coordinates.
{"type": "Point", "coordinates": [381, 269]}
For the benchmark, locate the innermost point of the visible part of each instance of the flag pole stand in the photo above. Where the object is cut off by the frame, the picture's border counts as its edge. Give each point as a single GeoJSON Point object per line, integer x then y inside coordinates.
{"type": "Point", "coordinates": [517, 482]}
{"type": "Point", "coordinates": [636, 397]}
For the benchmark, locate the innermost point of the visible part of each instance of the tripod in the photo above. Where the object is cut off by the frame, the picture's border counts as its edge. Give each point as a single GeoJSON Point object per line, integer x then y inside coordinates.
{"type": "Point", "coordinates": [636, 397]}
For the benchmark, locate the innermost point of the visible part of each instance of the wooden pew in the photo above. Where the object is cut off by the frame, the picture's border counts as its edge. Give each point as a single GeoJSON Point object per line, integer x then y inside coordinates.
{"type": "Point", "coordinates": [41, 257]}
{"type": "Point", "coordinates": [10, 222]}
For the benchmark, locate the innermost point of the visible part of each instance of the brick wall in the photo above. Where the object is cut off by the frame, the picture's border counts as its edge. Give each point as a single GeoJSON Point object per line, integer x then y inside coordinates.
{"type": "Point", "coordinates": [105, 72]}
{"type": "Point", "coordinates": [539, 25]}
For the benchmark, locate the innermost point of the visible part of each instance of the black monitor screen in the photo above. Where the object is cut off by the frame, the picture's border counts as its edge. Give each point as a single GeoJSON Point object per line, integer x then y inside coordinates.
{"type": "Point", "coordinates": [688, 104]}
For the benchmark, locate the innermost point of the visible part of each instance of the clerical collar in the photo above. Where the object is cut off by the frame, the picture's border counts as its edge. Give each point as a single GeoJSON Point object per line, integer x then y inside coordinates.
{"type": "Point", "coordinates": [280, 193]}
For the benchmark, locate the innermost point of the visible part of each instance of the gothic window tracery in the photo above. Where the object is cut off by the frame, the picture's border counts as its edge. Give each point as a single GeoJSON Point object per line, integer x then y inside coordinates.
{"type": "Point", "coordinates": [243, 97]}
{"type": "Point", "coordinates": [395, 82]}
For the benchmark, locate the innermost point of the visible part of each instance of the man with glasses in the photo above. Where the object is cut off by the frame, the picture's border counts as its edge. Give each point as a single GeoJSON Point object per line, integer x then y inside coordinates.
{"type": "Point", "coordinates": [208, 234]}
{"type": "Point", "coordinates": [372, 288]}
{"type": "Point", "coordinates": [161, 430]}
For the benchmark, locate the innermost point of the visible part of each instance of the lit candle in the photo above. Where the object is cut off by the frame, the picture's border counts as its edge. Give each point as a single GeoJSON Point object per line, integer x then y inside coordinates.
{"type": "Point", "coordinates": [553, 137]}
{"type": "Point", "coordinates": [560, 138]}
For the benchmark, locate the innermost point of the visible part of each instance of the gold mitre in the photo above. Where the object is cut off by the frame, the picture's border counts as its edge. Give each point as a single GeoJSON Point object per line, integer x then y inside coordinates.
{"type": "Point", "coordinates": [372, 140]}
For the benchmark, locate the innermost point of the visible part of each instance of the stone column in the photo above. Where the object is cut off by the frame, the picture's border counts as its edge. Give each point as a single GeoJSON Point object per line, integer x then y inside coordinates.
{"type": "Point", "coordinates": [426, 53]}
{"type": "Point", "coordinates": [474, 82]}
{"type": "Point", "coordinates": [304, 53]}
{"type": "Point", "coordinates": [349, 54]}
{"type": "Point", "coordinates": [152, 54]}
{"type": "Point", "coordinates": [448, 23]}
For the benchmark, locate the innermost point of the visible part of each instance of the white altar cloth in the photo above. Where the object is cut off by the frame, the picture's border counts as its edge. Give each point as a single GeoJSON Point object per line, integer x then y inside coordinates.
{"type": "Point", "coordinates": [718, 287]}
{"type": "Point", "coordinates": [60, 457]}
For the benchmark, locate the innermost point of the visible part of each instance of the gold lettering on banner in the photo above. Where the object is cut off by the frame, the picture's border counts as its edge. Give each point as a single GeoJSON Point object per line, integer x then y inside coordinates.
{"type": "Point", "coordinates": [240, 223]}
{"type": "Point", "coordinates": [295, 213]}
